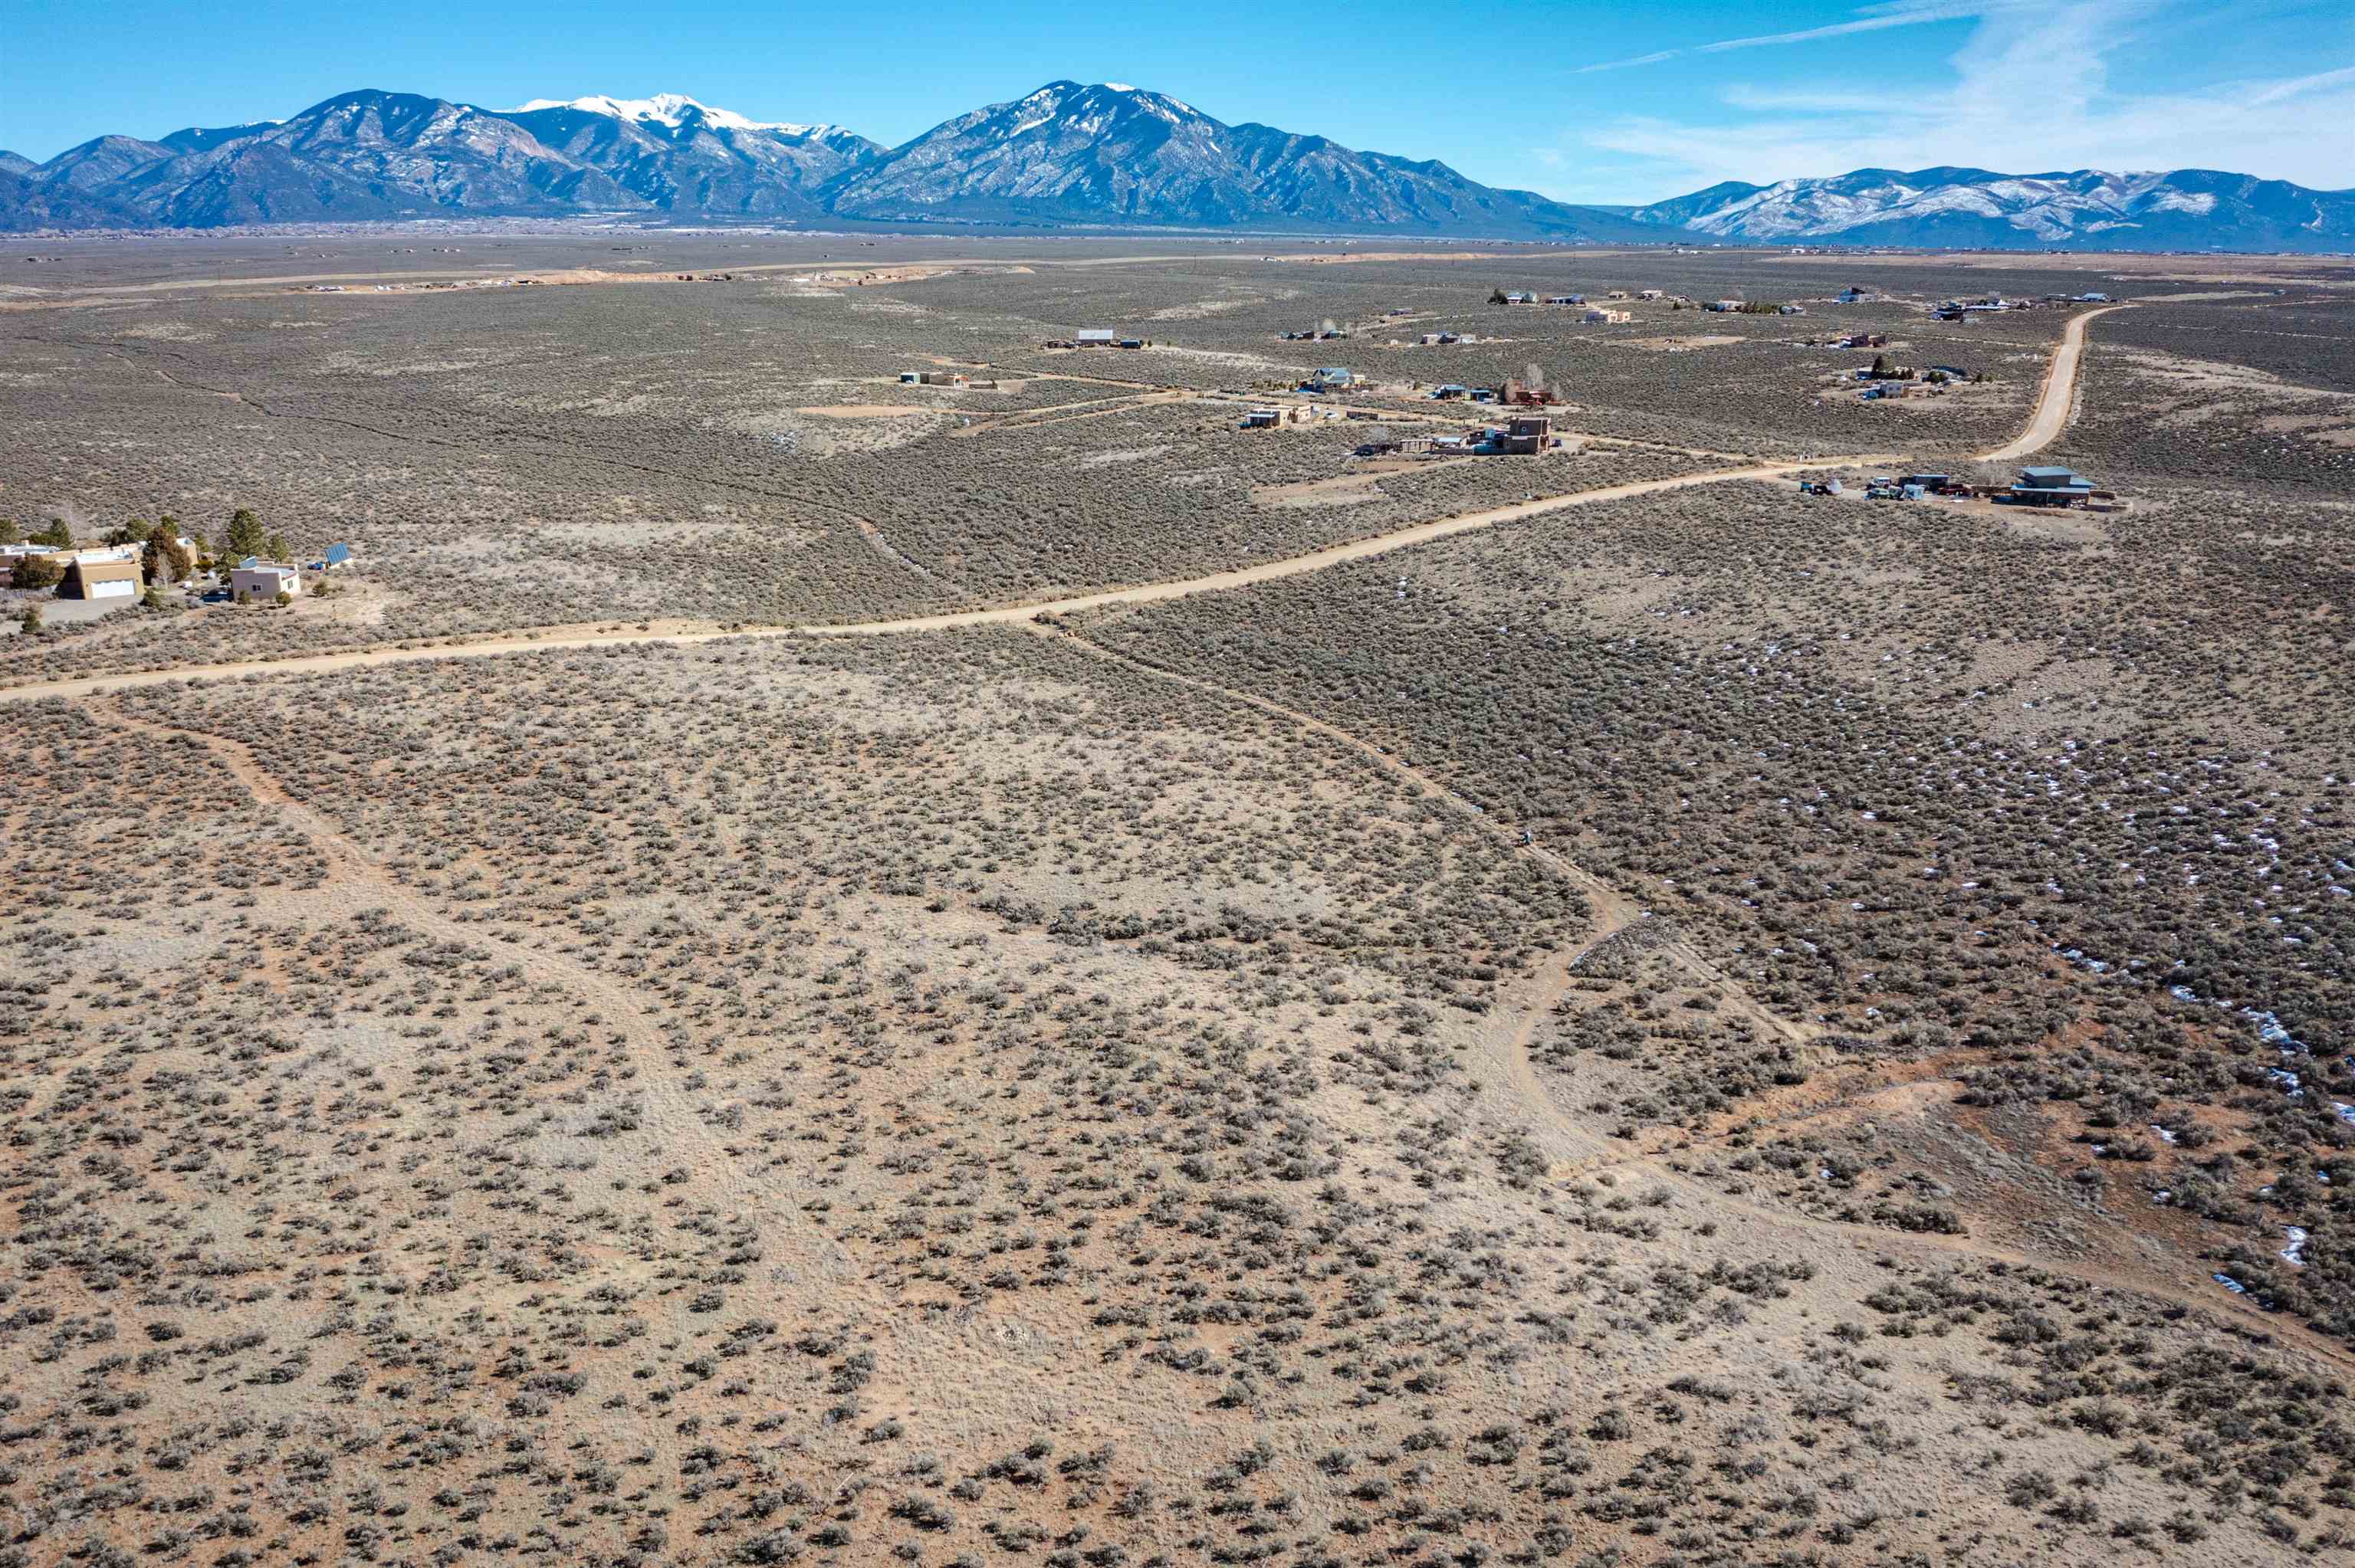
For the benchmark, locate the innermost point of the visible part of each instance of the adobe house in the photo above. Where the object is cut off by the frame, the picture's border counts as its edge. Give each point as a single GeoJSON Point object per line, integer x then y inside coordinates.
{"type": "Point", "coordinates": [100, 579]}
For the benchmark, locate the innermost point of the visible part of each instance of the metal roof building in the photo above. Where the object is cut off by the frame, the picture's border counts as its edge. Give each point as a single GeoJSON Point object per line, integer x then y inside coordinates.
{"type": "Point", "coordinates": [2050, 486]}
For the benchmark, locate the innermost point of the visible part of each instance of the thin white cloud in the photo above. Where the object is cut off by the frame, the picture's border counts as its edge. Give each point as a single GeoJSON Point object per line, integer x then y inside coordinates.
{"type": "Point", "coordinates": [1872, 19]}
{"type": "Point", "coordinates": [1653, 59]}
{"type": "Point", "coordinates": [2299, 86]}
{"type": "Point", "coordinates": [2266, 126]}
{"type": "Point", "coordinates": [1868, 19]}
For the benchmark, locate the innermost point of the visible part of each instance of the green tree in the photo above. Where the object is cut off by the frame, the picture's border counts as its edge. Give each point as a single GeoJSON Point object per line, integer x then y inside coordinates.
{"type": "Point", "coordinates": [246, 535]}
{"type": "Point", "coordinates": [275, 546]}
{"type": "Point", "coordinates": [30, 622]}
{"type": "Point", "coordinates": [11, 533]}
{"type": "Point", "coordinates": [165, 559]}
{"type": "Point", "coordinates": [38, 572]}
{"type": "Point", "coordinates": [1497, 296]}
{"type": "Point", "coordinates": [57, 534]}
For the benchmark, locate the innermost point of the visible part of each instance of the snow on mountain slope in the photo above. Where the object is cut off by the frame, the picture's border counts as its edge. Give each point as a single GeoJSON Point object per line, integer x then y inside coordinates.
{"type": "Point", "coordinates": [2182, 209]}
{"type": "Point", "coordinates": [671, 108]}
{"type": "Point", "coordinates": [1067, 153]}
{"type": "Point", "coordinates": [1114, 153]}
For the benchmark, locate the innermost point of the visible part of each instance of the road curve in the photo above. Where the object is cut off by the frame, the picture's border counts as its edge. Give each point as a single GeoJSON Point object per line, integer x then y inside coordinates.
{"type": "Point", "coordinates": [1000, 615]}
{"type": "Point", "coordinates": [1319, 560]}
{"type": "Point", "coordinates": [2060, 392]}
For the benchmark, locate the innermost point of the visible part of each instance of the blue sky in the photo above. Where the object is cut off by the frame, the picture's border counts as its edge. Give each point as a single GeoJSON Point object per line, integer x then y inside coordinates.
{"type": "Point", "coordinates": [1584, 103]}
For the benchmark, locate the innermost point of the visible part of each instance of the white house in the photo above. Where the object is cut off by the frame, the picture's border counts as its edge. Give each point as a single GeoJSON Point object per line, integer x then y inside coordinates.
{"type": "Point", "coordinates": [259, 584]}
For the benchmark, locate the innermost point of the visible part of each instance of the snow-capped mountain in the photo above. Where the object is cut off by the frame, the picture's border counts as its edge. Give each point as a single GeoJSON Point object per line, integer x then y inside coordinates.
{"type": "Point", "coordinates": [2185, 209]}
{"type": "Point", "coordinates": [1114, 153]}
{"type": "Point", "coordinates": [670, 109]}
{"type": "Point", "coordinates": [676, 155]}
{"type": "Point", "coordinates": [374, 156]}
{"type": "Point", "coordinates": [1069, 154]}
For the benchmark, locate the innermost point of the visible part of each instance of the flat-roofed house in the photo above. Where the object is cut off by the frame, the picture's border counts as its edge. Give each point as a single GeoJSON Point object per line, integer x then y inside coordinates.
{"type": "Point", "coordinates": [2051, 487]}
{"type": "Point", "coordinates": [100, 579]}
{"type": "Point", "coordinates": [254, 582]}
{"type": "Point", "coordinates": [1526, 436]}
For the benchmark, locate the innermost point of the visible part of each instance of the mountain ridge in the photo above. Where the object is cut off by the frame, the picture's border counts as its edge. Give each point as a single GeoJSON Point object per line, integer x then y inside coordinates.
{"type": "Point", "coordinates": [2178, 209]}
{"type": "Point", "coordinates": [1068, 154]}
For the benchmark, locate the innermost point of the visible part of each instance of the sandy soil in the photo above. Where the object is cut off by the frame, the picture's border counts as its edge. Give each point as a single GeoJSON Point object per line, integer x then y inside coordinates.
{"type": "Point", "coordinates": [866, 410]}
{"type": "Point", "coordinates": [1678, 345]}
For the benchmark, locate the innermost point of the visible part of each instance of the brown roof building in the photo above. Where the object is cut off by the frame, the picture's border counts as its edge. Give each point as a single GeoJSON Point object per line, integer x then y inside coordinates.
{"type": "Point", "coordinates": [100, 579]}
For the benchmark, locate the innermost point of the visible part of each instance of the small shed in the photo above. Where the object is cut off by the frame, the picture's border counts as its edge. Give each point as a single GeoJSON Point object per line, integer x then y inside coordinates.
{"type": "Point", "coordinates": [1095, 337]}
{"type": "Point", "coordinates": [100, 579]}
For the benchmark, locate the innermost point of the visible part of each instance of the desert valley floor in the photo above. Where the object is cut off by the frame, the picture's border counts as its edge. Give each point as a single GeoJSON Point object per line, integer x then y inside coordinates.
{"type": "Point", "coordinates": [800, 964]}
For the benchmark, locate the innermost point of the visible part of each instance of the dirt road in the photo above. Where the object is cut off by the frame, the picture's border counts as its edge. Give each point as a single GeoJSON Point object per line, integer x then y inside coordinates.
{"type": "Point", "coordinates": [999, 615]}
{"type": "Point", "coordinates": [2060, 392]}
{"type": "Point", "coordinates": [1318, 560]}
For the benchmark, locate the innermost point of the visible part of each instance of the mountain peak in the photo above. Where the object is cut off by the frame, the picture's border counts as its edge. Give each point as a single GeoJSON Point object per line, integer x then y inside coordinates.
{"type": "Point", "coordinates": [671, 110]}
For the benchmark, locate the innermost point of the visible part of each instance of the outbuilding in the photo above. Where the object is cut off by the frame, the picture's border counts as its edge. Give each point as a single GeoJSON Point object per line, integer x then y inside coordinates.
{"type": "Point", "coordinates": [1095, 337]}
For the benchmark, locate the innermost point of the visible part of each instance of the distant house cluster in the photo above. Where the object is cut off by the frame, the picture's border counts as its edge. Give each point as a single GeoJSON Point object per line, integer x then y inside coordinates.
{"type": "Point", "coordinates": [1099, 337]}
{"type": "Point", "coordinates": [1964, 309]}
{"type": "Point", "coordinates": [1524, 436]}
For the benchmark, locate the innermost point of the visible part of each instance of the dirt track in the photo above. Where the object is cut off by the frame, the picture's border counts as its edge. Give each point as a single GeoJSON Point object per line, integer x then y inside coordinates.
{"type": "Point", "coordinates": [1000, 615]}
{"type": "Point", "coordinates": [1507, 1048]}
{"type": "Point", "coordinates": [2058, 396]}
